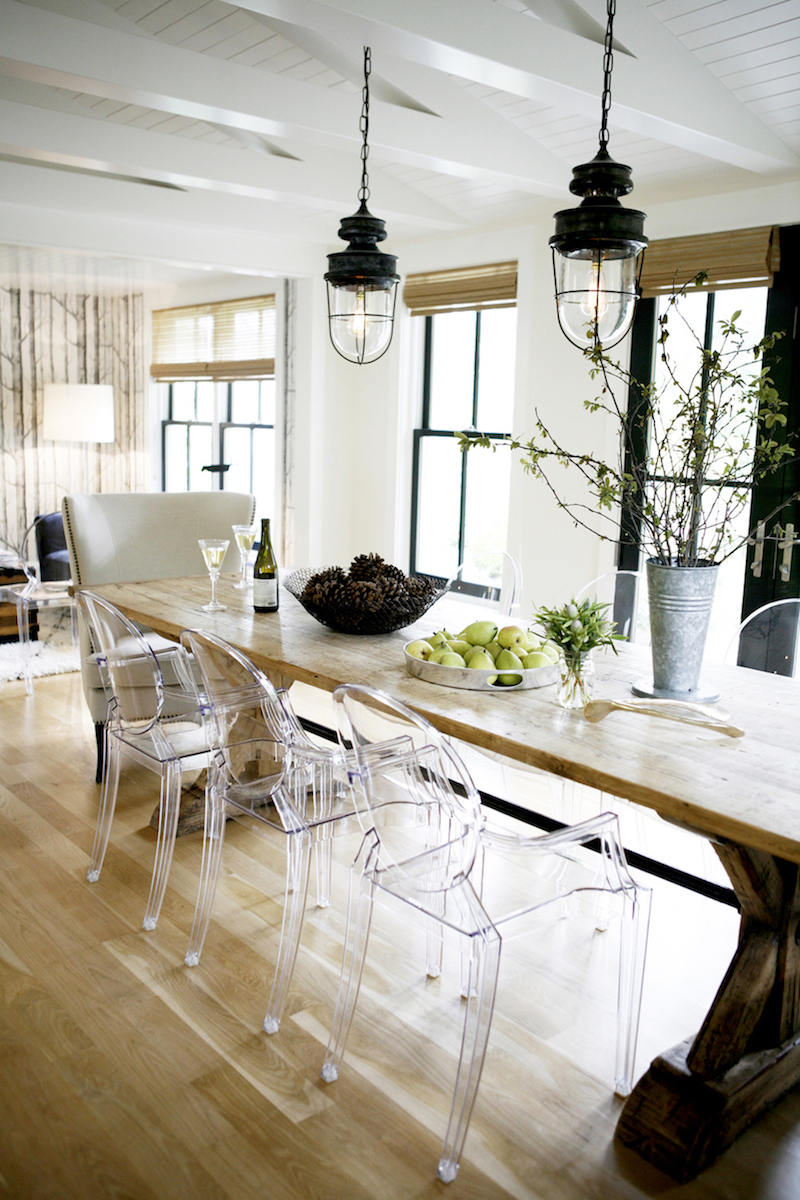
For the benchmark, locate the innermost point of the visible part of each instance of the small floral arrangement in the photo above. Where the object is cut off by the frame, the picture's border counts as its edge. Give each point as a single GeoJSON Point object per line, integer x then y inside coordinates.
{"type": "Point", "coordinates": [576, 629]}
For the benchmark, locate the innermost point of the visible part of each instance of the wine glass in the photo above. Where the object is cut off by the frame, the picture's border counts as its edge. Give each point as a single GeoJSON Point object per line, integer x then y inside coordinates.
{"type": "Point", "coordinates": [245, 536]}
{"type": "Point", "coordinates": [213, 552]}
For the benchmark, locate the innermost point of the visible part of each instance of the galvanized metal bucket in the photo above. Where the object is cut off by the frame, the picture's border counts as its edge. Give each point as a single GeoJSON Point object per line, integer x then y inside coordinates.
{"type": "Point", "coordinates": [680, 609]}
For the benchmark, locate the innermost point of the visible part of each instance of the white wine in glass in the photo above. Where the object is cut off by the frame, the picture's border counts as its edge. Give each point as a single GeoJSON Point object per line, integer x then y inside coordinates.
{"type": "Point", "coordinates": [245, 536]}
{"type": "Point", "coordinates": [213, 552]}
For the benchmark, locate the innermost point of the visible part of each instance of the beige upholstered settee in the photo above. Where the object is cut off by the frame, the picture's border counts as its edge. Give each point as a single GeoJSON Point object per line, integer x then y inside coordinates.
{"type": "Point", "coordinates": [125, 537]}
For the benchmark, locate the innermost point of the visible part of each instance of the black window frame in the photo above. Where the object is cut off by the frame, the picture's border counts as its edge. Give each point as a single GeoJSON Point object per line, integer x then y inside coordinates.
{"type": "Point", "coordinates": [220, 468]}
{"type": "Point", "coordinates": [425, 431]}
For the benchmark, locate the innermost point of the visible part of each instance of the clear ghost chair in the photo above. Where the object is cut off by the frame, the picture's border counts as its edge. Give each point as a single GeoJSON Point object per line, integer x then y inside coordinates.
{"type": "Point", "coordinates": [442, 879]}
{"type": "Point", "coordinates": [626, 593]}
{"type": "Point", "coordinates": [137, 728]}
{"type": "Point", "coordinates": [769, 639]}
{"type": "Point", "coordinates": [243, 709]}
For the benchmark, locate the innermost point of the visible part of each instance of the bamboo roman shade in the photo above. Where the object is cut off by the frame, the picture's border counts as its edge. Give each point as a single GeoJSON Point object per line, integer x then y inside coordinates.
{"type": "Point", "coordinates": [734, 259]}
{"type": "Point", "coordinates": [234, 339]}
{"type": "Point", "coordinates": [491, 286]}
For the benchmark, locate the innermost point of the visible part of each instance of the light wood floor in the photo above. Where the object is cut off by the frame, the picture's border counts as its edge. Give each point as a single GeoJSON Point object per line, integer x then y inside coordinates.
{"type": "Point", "coordinates": [124, 1074]}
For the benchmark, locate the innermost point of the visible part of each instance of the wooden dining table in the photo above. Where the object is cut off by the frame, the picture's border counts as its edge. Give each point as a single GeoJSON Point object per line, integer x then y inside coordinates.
{"type": "Point", "coordinates": [743, 794]}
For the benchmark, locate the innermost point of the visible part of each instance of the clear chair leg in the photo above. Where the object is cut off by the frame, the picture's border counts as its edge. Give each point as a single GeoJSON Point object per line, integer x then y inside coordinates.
{"type": "Point", "coordinates": [481, 990]}
{"type": "Point", "coordinates": [24, 634]}
{"type": "Point", "coordinates": [169, 810]}
{"type": "Point", "coordinates": [359, 917]}
{"type": "Point", "coordinates": [635, 925]}
{"type": "Point", "coordinates": [108, 802]}
{"type": "Point", "coordinates": [213, 842]}
{"type": "Point", "coordinates": [298, 861]}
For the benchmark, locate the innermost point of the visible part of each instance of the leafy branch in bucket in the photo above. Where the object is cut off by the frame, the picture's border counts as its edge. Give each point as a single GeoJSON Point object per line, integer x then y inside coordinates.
{"type": "Point", "coordinates": [709, 436]}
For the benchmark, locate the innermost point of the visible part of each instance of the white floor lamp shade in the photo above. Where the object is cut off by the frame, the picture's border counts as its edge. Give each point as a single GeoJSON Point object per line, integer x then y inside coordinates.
{"type": "Point", "coordinates": [78, 412]}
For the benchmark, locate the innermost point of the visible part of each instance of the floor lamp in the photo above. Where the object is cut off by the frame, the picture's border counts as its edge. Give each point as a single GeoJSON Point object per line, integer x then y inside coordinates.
{"type": "Point", "coordinates": [79, 412]}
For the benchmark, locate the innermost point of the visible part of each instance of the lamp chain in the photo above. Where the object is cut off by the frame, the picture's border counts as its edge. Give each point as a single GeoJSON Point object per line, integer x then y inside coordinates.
{"type": "Point", "coordinates": [608, 66]}
{"type": "Point", "coordinates": [363, 193]}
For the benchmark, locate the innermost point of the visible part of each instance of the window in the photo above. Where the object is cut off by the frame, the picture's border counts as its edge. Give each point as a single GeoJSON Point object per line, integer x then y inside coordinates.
{"type": "Point", "coordinates": [221, 435]}
{"type": "Point", "coordinates": [219, 363]}
{"type": "Point", "coordinates": [460, 502]}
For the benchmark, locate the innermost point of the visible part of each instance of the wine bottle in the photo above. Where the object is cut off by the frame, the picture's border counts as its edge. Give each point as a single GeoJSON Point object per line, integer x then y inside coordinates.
{"type": "Point", "coordinates": [265, 574]}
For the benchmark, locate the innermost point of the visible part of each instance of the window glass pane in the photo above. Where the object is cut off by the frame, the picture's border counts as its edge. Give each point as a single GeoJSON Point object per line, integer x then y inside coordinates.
{"type": "Point", "coordinates": [205, 400]}
{"type": "Point", "coordinates": [486, 525]}
{"type": "Point", "coordinates": [199, 455]}
{"type": "Point", "coordinates": [439, 504]}
{"type": "Point", "coordinates": [267, 415]}
{"type": "Point", "coordinates": [452, 370]}
{"type": "Point", "coordinates": [751, 303]}
{"type": "Point", "coordinates": [244, 401]}
{"type": "Point", "coordinates": [183, 401]}
{"type": "Point", "coordinates": [236, 451]}
{"type": "Point", "coordinates": [263, 482]}
{"type": "Point", "coordinates": [176, 440]}
{"type": "Point", "coordinates": [496, 372]}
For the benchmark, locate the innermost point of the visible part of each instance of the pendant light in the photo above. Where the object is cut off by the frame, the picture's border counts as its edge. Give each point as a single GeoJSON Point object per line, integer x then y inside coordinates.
{"type": "Point", "coordinates": [598, 248]}
{"type": "Point", "coordinates": [362, 284]}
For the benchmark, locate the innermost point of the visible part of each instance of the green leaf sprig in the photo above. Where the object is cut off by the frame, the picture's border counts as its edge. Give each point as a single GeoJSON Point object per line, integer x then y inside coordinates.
{"type": "Point", "coordinates": [577, 628]}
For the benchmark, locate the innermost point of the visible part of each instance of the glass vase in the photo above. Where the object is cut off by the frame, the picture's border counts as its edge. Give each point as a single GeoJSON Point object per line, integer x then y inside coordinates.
{"type": "Point", "coordinates": [576, 679]}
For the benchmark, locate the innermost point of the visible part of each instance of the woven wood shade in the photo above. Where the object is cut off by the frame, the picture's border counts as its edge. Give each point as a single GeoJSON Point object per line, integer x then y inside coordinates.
{"type": "Point", "coordinates": [491, 286]}
{"type": "Point", "coordinates": [734, 259]}
{"type": "Point", "coordinates": [234, 339]}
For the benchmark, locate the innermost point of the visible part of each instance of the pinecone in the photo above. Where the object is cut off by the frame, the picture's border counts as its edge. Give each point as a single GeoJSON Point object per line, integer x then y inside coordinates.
{"type": "Point", "coordinates": [365, 596]}
{"type": "Point", "coordinates": [366, 567]}
{"type": "Point", "coordinates": [389, 572]}
{"type": "Point", "coordinates": [420, 586]}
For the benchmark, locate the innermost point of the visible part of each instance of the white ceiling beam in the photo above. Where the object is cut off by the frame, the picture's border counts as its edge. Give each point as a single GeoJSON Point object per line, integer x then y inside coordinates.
{"type": "Point", "coordinates": [57, 51]}
{"type": "Point", "coordinates": [110, 217]}
{"type": "Point", "coordinates": [663, 92]}
{"type": "Point", "coordinates": [326, 180]}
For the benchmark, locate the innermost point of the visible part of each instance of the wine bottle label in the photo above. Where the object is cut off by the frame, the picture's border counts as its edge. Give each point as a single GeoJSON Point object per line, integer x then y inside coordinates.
{"type": "Point", "coordinates": [265, 593]}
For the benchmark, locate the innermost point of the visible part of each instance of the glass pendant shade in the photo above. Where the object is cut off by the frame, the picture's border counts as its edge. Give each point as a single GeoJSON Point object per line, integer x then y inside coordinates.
{"type": "Point", "coordinates": [361, 316]}
{"type": "Point", "coordinates": [596, 293]}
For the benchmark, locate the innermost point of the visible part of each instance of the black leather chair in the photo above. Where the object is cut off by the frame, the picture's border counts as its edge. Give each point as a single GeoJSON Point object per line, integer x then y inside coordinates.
{"type": "Point", "coordinates": [51, 548]}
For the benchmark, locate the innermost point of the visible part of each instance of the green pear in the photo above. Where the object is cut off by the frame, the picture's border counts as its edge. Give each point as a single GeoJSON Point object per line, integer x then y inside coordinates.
{"type": "Point", "coordinates": [452, 660]}
{"type": "Point", "coordinates": [479, 633]}
{"type": "Point", "coordinates": [511, 636]}
{"type": "Point", "coordinates": [419, 649]}
{"type": "Point", "coordinates": [436, 639]}
{"type": "Point", "coordinates": [438, 654]}
{"type": "Point", "coordinates": [507, 660]}
{"type": "Point", "coordinates": [509, 680]}
{"type": "Point", "coordinates": [481, 662]}
{"type": "Point", "coordinates": [531, 642]}
{"type": "Point", "coordinates": [494, 649]}
{"type": "Point", "coordinates": [459, 646]}
{"type": "Point", "coordinates": [552, 649]}
{"type": "Point", "coordinates": [473, 650]}
{"type": "Point", "coordinates": [536, 658]}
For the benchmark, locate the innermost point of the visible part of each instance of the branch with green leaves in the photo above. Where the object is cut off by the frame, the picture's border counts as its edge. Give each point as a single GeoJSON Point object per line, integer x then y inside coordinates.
{"type": "Point", "coordinates": [710, 437]}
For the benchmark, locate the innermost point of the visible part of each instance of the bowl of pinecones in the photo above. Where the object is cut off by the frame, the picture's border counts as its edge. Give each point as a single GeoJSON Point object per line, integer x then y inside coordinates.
{"type": "Point", "coordinates": [372, 596]}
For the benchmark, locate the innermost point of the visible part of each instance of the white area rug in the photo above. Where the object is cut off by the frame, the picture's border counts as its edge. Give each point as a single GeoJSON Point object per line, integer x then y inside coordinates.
{"type": "Point", "coordinates": [53, 653]}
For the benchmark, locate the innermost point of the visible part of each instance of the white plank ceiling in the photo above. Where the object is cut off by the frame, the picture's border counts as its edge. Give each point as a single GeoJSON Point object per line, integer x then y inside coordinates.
{"type": "Point", "coordinates": [195, 135]}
